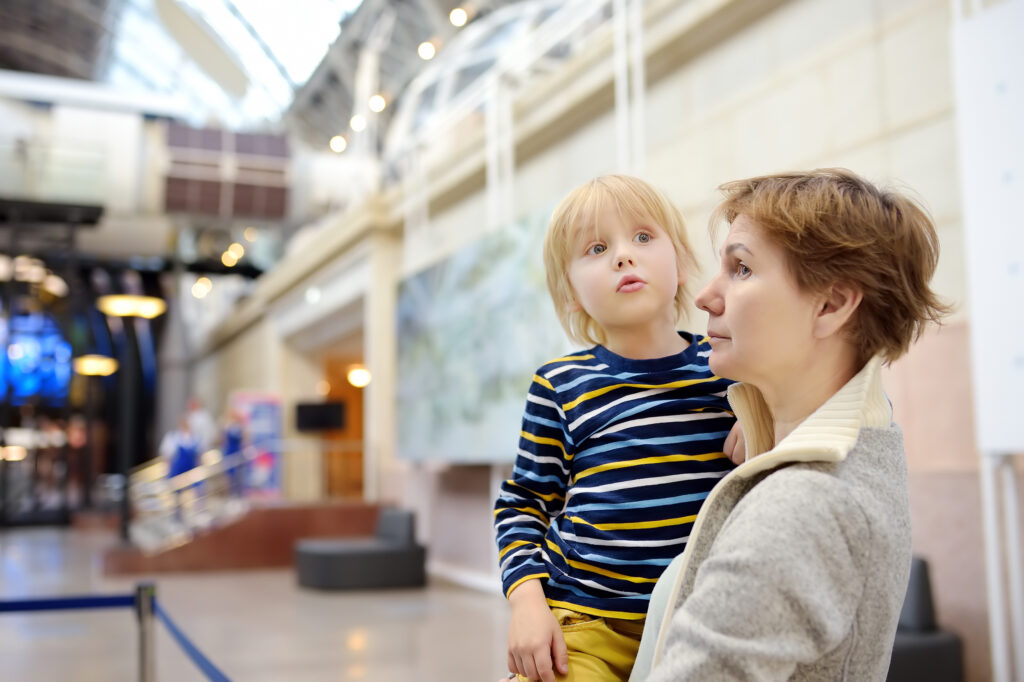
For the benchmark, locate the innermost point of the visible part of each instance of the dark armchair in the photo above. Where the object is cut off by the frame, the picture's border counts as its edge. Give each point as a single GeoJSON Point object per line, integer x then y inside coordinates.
{"type": "Point", "coordinates": [922, 650]}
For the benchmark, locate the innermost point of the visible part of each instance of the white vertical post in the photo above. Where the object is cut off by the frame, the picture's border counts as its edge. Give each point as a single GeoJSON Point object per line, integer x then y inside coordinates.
{"type": "Point", "coordinates": [500, 150]}
{"type": "Point", "coordinates": [620, 60]}
{"type": "Point", "coordinates": [993, 568]}
{"type": "Point", "coordinates": [506, 100]}
{"type": "Point", "coordinates": [492, 152]}
{"type": "Point", "coordinates": [1011, 533]}
{"type": "Point", "coordinates": [415, 202]}
{"type": "Point", "coordinates": [380, 351]}
{"type": "Point", "coordinates": [638, 81]}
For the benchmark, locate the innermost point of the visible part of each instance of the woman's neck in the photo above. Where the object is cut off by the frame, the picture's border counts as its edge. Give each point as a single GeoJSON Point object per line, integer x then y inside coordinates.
{"type": "Point", "coordinates": [801, 392]}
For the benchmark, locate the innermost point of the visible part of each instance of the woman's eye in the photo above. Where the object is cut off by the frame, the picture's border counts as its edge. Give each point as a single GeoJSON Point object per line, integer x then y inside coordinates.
{"type": "Point", "coordinates": [597, 249]}
{"type": "Point", "coordinates": [742, 270]}
{"type": "Point", "coordinates": [643, 237]}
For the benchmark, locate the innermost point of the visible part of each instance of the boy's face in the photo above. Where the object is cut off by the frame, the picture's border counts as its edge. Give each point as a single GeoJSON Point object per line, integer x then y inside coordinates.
{"type": "Point", "coordinates": [624, 274]}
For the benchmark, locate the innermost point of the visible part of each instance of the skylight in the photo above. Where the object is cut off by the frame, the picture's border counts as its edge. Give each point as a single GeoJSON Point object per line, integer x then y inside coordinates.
{"type": "Point", "coordinates": [278, 45]}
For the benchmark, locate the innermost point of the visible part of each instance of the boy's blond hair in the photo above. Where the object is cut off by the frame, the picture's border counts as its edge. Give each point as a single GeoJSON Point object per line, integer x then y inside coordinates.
{"type": "Point", "coordinates": [837, 228]}
{"type": "Point", "coordinates": [632, 198]}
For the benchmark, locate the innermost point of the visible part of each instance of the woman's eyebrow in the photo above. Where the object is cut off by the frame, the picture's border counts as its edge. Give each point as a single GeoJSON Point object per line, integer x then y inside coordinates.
{"type": "Point", "coordinates": [736, 246]}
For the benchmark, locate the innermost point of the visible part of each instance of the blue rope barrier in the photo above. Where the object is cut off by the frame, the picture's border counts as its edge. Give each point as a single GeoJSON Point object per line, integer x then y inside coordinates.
{"type": "Point", "coordinates": [202, 662]}
{"type": "Point", "coordinates": [63, 603]}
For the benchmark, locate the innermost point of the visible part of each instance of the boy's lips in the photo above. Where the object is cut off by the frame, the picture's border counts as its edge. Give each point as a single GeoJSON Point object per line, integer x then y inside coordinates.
{"type": "Point", "coordinates": [630, 283]}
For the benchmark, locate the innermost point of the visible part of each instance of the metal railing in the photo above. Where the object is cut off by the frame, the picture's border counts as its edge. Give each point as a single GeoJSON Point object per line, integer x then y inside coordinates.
{"type": "Point", "coordinates": [168, 512]}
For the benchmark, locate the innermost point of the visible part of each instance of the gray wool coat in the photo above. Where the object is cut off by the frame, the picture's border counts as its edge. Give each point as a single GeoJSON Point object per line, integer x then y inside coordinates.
{"type": "Point", "coordinates": [798, 563]}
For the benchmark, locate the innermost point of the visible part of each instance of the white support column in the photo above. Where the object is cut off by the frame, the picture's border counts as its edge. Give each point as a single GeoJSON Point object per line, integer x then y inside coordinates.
{"type": "Point", "coordinates": [506, 99]}
{"type": "Point", "coordinates": [998, 635]}
{"type": "Point", "coordinates": [415, 200]}
{"type": "Point", "coordinates": [620, 62]}
{"type": "Point", "coordinates": [638, 83]}
{"type": "Point", "coordinates": [629, 67]}
{"type": "Point", "coordinates": [380, 350]}
{"type": "Point", "coordinates": [500, 151]}
{"type": "Point", "coordinates": [492, 153]}
{"type": "Point", "coordinates": [1011, 533]}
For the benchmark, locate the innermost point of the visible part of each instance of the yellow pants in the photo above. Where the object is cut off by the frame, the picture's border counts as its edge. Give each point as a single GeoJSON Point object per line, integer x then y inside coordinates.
{"type": "Point", "coordinates": [600, 649]}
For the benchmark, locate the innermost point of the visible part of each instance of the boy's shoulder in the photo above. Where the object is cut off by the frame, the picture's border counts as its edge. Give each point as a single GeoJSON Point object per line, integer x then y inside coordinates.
{"type": "Point", "coordinates": [582, 359]}
{"type": "Point", "coordinates": [598, 359]}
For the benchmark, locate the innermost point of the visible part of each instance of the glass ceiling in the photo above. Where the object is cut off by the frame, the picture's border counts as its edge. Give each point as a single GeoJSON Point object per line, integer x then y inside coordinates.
{"type": "Point", "coordinates": [276, 44]}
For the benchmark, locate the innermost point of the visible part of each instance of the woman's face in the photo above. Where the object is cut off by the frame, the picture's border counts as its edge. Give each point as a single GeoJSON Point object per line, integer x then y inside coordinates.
{"type": "Point", "coordinates": [759, 322]}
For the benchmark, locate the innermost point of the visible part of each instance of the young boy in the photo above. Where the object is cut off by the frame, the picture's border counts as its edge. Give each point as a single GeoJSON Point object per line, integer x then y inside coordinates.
{"type": "Point", "coordinates": [620, 443]}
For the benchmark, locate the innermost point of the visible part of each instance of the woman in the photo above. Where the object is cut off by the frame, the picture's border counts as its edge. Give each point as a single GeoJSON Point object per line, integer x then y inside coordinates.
{"type": "Point", "coordinates": [798, 563]}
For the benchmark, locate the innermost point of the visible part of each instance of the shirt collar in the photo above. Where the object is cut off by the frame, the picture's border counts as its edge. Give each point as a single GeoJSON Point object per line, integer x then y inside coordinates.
{"type": "Point", "coordinates": [827, 435]}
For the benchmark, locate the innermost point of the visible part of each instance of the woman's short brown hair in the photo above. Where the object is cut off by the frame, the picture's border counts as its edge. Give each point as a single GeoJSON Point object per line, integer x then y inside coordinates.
{"type": "Point", "coordinates": [837, 228]}
{"type": "Point", "coordinates": [633, 198]}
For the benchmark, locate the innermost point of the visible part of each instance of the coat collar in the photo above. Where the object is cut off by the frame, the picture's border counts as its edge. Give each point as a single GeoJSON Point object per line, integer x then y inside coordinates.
{"type": "Point", "coordinates": [826, 436]}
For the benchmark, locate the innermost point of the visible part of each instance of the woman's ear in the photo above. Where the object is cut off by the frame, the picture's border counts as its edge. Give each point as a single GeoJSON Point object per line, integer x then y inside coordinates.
{"type": "Point", "coordinates": [836, 307]}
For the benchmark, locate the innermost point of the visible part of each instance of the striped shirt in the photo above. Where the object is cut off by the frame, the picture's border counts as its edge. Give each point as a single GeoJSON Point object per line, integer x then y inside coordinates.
{"type": "Point", "coordinates": [615, 458]}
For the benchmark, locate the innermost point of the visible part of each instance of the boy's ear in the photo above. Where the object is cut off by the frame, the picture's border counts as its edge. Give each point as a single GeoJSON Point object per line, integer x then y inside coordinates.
{"type": "Point", "coordinates": [835, 308]}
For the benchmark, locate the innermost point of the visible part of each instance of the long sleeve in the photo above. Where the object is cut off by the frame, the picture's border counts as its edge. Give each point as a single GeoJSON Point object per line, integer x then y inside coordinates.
{"type": "Point", "coordinates": [536, 492]}
{"type": "Point", "coordinates": [779, 589]}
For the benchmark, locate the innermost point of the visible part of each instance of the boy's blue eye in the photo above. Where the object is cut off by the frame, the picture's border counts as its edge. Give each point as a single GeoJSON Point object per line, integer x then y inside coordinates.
{"type": "Point", "coordinates": [597, 249]}
{"type": "Point", "coordinates": [643, 237]}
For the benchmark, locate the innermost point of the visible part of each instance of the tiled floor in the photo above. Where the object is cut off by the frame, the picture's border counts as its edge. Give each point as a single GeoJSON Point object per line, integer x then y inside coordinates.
{"type": "Point", "coordinates": [254, 625]}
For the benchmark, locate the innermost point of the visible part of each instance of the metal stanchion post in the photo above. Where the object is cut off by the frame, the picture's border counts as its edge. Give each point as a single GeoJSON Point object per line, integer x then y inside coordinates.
{"type": "Point", "coordinates": [145, 593]}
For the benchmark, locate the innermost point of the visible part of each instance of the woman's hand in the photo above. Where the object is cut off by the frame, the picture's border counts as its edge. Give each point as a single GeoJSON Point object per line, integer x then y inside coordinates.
{"type": "Point", "coordinates": [536, 646]}
{"type": "Point", "coordinates": [736, 445]}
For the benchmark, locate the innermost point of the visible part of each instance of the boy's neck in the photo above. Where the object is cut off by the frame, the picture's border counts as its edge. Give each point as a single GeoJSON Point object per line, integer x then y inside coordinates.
{"type": "Point", "coordinates": [645, 344]}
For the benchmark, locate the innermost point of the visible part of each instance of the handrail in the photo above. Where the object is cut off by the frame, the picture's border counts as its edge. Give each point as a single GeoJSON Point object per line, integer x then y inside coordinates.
{"type": "Point", "coordinates": [169, 511]}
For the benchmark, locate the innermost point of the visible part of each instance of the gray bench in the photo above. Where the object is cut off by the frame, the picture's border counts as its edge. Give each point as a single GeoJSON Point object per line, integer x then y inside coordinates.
{"type": "Point", "coordinates": [389, 558]}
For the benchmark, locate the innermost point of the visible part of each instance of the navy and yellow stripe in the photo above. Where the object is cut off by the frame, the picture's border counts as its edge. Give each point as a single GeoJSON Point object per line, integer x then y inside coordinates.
{"type": "Point", "coordinates": [616, 457]}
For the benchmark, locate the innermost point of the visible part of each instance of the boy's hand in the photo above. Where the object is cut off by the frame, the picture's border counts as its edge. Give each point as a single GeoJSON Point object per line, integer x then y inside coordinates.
{"type": "Point", "coordinates": [735, 445]}
{"type": "Point", "coordinates": [535, 642]}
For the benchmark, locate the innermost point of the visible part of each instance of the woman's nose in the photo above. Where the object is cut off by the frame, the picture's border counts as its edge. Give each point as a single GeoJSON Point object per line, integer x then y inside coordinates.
{"type": "Point", "coordinates": [708, 300]}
